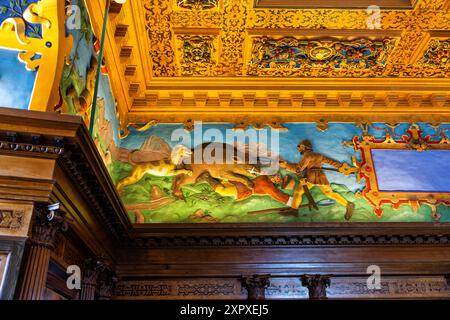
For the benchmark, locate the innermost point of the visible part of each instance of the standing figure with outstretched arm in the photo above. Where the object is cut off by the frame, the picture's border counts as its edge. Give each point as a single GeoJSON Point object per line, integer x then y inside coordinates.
{"type": "Point", "coordinates": [312, 175]}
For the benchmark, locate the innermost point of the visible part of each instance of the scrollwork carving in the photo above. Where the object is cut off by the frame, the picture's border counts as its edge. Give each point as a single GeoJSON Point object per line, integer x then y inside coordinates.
{"type": "Point", "coordinates": [11, 219]}
{"type": "Point", "coordinates": [160, 33]}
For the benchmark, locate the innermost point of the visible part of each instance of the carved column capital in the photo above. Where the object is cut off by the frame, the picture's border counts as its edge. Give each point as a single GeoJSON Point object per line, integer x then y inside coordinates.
{"type": "Point", "coordinates": [107, 283]}
{"type": "Point", "coordinates": [48, 221]}
{"type": "Point", "coordinates": [92, 267]}
{"type": "Point", "coordinates": [317, 285]}
{"type": "Point", "coordinates": [256, 286]}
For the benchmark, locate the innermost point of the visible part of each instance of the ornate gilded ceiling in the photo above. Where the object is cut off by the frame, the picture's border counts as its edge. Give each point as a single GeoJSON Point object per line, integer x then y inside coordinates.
{"type": "Point", "coordinates": [392, 4]}
{"type": "Point", "coordinates": [277, 58]}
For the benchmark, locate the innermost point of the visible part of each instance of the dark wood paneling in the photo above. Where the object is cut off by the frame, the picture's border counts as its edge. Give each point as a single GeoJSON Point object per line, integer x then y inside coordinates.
{"type": "Point", "coordinates": [15, 247]}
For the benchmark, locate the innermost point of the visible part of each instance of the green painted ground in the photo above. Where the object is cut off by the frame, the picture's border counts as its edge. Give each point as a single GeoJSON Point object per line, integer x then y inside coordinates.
{"type": "Point", "coordinates": [203, 205]}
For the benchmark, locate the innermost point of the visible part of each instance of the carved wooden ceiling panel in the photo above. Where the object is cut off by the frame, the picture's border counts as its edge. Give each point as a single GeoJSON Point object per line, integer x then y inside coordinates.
{"type": "Point", "coordinates": [391, 4]}
{"type": "Point", "coordinates": [242, 37]}
{"type": "Point", "coordinates": [213, 53]}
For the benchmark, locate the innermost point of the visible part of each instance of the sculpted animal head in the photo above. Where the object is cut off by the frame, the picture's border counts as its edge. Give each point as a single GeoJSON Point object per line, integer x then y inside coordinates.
{"type": "Point", "coordinates": [179, 153]}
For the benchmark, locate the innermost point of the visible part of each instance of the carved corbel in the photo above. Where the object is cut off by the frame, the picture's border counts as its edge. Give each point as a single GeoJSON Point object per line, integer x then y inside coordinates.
{"type": "Point", "coordinates": [152, 99]}
{"type": "Point", "coordinates": [317, 285]}
{"type": "Point", "coordinates": [368, 100]}
{"type": "Point", "coordinates": [415, 100]}
{"type": "Point", "coordinates": [249, 99]}
{"type": "Point", "coordinates": [225, 99]}
{"type": "Point", "coordinates": [438, 100]}
{"type": "Point", "coordinates": [176, 99]}
{"type": "Point", "coordinates": [391, 99]}
{"type": "Point", "coordinates": [297, 100]}
{"type": "Point", "coordinates": [256, 286]}
{"type": "Point", "coordinates": [273, 98]}
{"type": "Point", "coordinates": [344, 99]}
{"type": "Point", "coordinates": [320, 99]}
{"type": "Point", "coordinates": [200, 99]}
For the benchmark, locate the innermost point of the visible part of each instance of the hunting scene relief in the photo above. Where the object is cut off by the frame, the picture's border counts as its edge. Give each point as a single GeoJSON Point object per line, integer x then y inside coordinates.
{"type": "Point", "coordinates": [295, 172]}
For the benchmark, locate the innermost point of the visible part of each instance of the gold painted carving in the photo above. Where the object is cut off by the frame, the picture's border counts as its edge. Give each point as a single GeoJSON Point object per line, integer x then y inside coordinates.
{"type": "Point", "coordinates": [233, 20]}
{"type": "Point", "coordinates": [161, 37]}
{"type": "Point", "coordinates": [233, 37]}
{"type": "Point", "coordinates": [290, 56]}
{"type": "Point", "coordinates": [197, 54]}
{"type": "Point", "coordinates": [197, 4]}
{"type": "Point", "coordinates": [438, 54]}
{"type": "Point", "coordinates": [412, 140]}
{"type": "Point", "coordinates": [48, 54]}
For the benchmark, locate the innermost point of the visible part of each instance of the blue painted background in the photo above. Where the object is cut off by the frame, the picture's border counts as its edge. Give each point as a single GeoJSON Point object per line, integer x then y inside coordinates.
{"type": "Point", "coordinates": [16, 83]}
{"type": "Point", "coordinates": [403, 170]}
{"type": "Point", "coordinates": [399, 171]}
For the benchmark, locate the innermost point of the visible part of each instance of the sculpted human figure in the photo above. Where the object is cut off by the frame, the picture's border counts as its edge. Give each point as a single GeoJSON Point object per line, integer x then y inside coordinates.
{"type": "Point", "coordinates": [311, 171]}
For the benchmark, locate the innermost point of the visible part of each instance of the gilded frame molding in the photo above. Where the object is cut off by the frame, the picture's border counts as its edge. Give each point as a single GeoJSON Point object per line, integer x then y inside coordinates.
{"type": "Point", "coordinates": [412, 140]}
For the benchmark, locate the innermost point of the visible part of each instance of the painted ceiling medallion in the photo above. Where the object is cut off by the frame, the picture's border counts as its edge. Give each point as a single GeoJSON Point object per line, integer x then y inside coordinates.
{"type": "Point", "coordinates": [321, 53]}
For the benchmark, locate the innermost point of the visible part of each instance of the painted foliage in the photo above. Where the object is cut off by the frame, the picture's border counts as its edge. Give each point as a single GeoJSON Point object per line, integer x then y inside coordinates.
{"type": "Point", "coordinates": [347, 172]}
{"type": "Point", "coordinates": [78, 81]}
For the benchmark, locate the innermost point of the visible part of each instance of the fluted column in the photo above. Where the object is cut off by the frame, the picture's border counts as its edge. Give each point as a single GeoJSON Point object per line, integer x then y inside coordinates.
{"type": "Point", "coordinates": [317, 285]}
{"type": "Point", "coordinates": [256, 286]}
{"type": "Point", "coordinates": [92, 268]}
{"type": "Point", "coordinates": [48, 221]}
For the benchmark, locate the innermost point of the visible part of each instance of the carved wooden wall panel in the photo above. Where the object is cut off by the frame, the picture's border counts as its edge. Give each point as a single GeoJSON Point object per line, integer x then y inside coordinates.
{"type": "Point", "coordinates": [283, 288]}
{"type": "Point", "coordinates": [180, 289]}
{"type": "Point", "coordinates": [15, 218]}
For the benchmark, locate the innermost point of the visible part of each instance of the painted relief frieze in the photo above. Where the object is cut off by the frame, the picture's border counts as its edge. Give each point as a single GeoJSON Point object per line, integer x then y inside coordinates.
{"type": "Point", "coordinates": [348, 172]}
